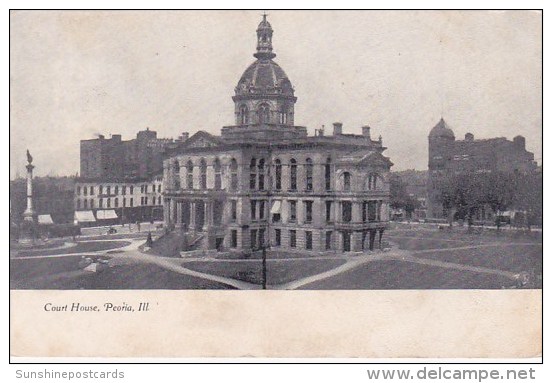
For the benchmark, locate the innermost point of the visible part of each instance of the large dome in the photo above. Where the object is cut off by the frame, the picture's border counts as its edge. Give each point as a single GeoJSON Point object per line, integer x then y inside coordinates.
{"type": "Point", "coordinates": [264, 77]}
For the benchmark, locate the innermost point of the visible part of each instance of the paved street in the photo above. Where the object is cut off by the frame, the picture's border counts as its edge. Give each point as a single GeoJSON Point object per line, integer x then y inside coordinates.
{"type": "Point", "coordinates": [419, 259]}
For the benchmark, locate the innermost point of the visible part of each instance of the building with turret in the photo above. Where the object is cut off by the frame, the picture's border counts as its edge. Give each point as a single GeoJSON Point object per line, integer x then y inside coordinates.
{"type": "Point", "coordinates": [265, 181]}
{"type": "Point", "coordinates": [449, 156]}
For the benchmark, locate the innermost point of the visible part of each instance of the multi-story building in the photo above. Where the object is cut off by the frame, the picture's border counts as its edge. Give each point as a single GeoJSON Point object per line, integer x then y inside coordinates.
{"type": "Point", "coordinates": [118, 201]}
{"type": "Point", "coordinates": [448, 156]}
{"type": "Point", "coordinates": [265, 181]}
{"type": "Point", "coordinates": [112, 158]}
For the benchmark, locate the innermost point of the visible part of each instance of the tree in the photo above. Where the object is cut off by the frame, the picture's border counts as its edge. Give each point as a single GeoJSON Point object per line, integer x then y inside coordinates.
{"type": "Point", "coordinates": [528, 197]}
{"type": "Point", "coordinates": [399, 198]}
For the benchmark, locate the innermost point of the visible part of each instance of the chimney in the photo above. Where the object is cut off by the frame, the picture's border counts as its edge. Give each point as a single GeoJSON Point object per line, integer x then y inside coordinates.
{"type": "Point", "coordinates": [338, 128]}
{"type": "Point", "coordinates": [468, 137]}
{"type": "Point", "coordinates": [366, 131]}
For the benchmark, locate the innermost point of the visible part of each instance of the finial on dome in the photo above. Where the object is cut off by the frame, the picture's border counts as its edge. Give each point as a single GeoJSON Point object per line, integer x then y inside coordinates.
{"type": "Point", "coordinates": [264, 40]}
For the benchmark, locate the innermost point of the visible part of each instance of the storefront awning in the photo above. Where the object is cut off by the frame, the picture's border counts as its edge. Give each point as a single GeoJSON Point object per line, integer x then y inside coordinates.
{"type": "Point", "coordinates": [106, 214]}
{"type": "Point", "coordinates": [276, 207]}
{"type": "Point", "coordinates": [45, 219]}
{"type": "Point", "coordinates": [84, 216]}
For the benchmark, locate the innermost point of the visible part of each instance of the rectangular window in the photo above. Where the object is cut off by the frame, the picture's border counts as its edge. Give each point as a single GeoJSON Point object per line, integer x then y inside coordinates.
{"type": "Point", "coordinates": [108, 192]}
{"type": "Point", "coordinates": [116, 189]}
{"type": "Point", "coordinates": [308, 211]}
{"type": "Point", "coordinates": [328, 240]}
{"type": "Point", "coordinates": [233, 239]}
{"type": "Point", "coordinates": [145, 200]}
{"type": "Point", "coordinates": [91, 204]}
{"type": "Point", "coordinates": [292, 238]}
{"type": "Point", "coordinates": [292, 210]}
{"type": "Point", "coordinates": [364, 211]}
{"type": "Point", "coordinates": [116, 202]}
{"type": "Point", "coordinates": [308, 240]}
{"type": "Point", "coordinates": [124, 201]}
{"type": "Point", "coordinates": [254, 238]}
{"type": "Point", "coordinates": [261, 209]}
{"type": "Point", "coordinates": [101, 203]}
{"type": "Point", "coordinates": [132, 190]}
{"type": "Point", "coordinates": [91, 190]}
{"type": "Point", "coordinates": [109, 202]}
{"type": "Point", "coordinates": [124, 190]}
{"type": "Point", "coordinates": [328, 211]}
{"type": "Point", "coordinates": [234, 210]}
{"type": "Point", "coordinates": [159, 188]}
{"type": "Point", "coordinates": [347, 210]}
{"type": "Point", "coordinates": [100, 189]}
{"type": "Point", "coordinates": [261, 237]}
{"type": "Point", "coordinates": [253, 210]}
{"type": "Point", "coordinates": [131, 202]}
{"type": "Point", "coordinates": [277, 237]}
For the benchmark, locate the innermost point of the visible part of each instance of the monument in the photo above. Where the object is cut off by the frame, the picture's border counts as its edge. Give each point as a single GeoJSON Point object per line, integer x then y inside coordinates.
{"type": "Point", "coordinates": [28, 225]}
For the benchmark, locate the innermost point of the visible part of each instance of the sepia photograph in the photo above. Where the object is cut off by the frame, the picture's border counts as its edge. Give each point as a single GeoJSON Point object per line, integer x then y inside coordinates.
{"type": "Point", "coordinates": [275, 150]}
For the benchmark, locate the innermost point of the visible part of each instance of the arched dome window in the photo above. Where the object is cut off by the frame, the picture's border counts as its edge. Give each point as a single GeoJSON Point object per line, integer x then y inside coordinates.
{"type": "Point", "coordinates": [263, 113]}
{"type": "Point", "coordinates": [243, 115]}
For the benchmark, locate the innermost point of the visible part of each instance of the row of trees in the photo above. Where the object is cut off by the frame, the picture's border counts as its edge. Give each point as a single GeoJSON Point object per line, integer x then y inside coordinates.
{"type": "Point", "coordinates": [464, 194]}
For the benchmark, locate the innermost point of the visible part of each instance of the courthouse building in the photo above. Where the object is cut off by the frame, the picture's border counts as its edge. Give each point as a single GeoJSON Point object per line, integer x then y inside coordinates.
{"type": "Point", "coordinates": [265, 181]}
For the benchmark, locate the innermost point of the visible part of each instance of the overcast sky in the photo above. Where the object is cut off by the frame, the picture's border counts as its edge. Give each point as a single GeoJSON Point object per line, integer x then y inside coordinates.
{"type": "Point", "coordinates": [76, 74]}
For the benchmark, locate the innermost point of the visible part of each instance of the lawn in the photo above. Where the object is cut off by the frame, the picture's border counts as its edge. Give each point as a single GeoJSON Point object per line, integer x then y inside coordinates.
{"type": "Point", "coordinates": [393, 274]}
{"type": "Point", "coordinates": [82, 247]}
{"type": "Point", "coordinates": [127, 277]}
{"type": "Point", "coordinates": [278, 272]}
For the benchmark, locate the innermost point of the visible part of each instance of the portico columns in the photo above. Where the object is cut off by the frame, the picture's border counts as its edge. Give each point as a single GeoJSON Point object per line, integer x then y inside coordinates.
{"type": "Point", "coordinates": [192, 215]}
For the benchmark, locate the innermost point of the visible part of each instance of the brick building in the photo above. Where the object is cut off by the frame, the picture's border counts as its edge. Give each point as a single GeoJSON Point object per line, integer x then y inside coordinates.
{"type": "Point", "coordinates": [112, 158]}
{"type": "Point", "coordinates": [264, 180]}
{"type": "Point", "coordinates": [448, 156]}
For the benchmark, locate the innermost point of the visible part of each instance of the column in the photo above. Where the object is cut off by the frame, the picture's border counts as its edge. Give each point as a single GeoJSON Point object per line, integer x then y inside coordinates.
{"type": "Point", "coordinates": [166, 212]}
{"type": "Point", "coordinates": [356, 241]}
{"type": "Point", "coordinates": [29, 212]}
{"type": "Point", "coordinates": [179, 214]}
{"type": "Point", "coordinates": [172, 210]}
{"type": "Point", "coordinates": [192, 215]}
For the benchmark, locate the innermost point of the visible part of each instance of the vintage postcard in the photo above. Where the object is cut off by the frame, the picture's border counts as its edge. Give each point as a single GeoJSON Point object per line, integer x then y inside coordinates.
{"type": "Point", "coordinates": [360, 184]}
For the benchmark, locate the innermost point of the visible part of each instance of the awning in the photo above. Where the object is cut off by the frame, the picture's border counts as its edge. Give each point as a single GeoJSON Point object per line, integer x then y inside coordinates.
{"type": "Point", "coordinates": [276, 207]}
{"type": "Point", "coordinates": [106, 214]}
{"type": "Point", "coordinates": [45, 219]}
{"type": "Point", "coordinates": [84, 216]}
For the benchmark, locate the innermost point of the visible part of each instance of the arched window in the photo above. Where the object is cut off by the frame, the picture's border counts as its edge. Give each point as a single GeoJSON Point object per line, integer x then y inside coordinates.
{"type": "Point", "coordinates": [372, 181]}
{"type": "Point", "coordinates": [78, 190]}
{"type": "Point", "coordinates": [243, 116]}
{"type": "Point", "coordinates": [176, 168]}
{"type": "Point", "coordinates": [203, 173]}
{"type": "Point", "coordinates": [85, 190]}
{"type": "Point", "coordinates": [278, 171]}
{"type": "Point", "coordinates": [293, 174]}
{"type": "Point", "coordinates": [234, 174]}
{"type": "Point", "coordinates": [328, 173]}
{"type": "Point", "coordinates": [283, 116]}
{"type": "Point", "coordinates": [86, 204]}
{"type": "Point", "coordinates": [261, 173]}
{"type": "Point", "coordinates": [190, 175]}
{"type": "Point", "coordinates": [253, 174]}
{"type": "Point", "coordinates": [218, 177]}
{"type": "Point", "coordinates": [264, 113]}
{"type": "Point", "coordinates": [309, 167]}
{"type": "Point", "coordinates": [346, 181]}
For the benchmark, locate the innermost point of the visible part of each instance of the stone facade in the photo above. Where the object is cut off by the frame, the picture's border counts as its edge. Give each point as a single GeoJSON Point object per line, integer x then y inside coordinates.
{"type": "Point", "coordinates": [448, 156]}
{"type": "Point", "coordinates": [265, 181]}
